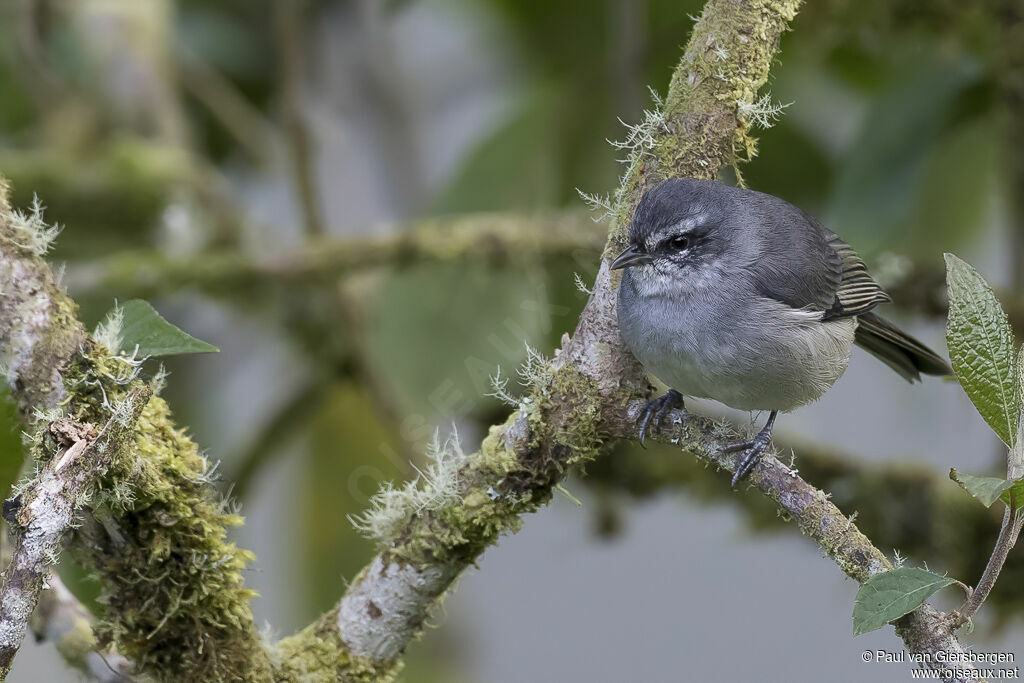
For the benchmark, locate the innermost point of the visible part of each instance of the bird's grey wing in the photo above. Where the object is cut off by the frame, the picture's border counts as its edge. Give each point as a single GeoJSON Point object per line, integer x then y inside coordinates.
{"type": "Point", "coordinates": [812, 269]}
{"type": "Point", "coordinates": [857, 293]}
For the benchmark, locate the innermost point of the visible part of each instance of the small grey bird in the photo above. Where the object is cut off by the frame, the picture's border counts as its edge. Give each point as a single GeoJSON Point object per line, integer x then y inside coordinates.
{"type": "Point", "coordinates": [741, 297]}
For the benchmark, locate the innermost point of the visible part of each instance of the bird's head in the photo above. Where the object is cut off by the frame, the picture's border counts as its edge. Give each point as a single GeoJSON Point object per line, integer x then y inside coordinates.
{"type": "Point", "coordinates": [679, 232]}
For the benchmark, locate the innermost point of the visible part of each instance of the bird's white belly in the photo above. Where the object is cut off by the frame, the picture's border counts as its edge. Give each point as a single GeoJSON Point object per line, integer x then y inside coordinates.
{"type": "Point", "coordinates": [753, 369]}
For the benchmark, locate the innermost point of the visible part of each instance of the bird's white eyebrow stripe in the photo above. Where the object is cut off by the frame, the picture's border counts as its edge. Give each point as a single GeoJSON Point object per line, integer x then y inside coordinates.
{"type": "Point", "coordinates": [691, 222]}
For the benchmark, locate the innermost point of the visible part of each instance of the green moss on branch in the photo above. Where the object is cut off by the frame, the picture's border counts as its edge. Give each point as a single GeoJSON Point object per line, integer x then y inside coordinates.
{"type": "Point", "coordinates": [316, 655]}
{"type": "Point", "coordinates": [171, 583]}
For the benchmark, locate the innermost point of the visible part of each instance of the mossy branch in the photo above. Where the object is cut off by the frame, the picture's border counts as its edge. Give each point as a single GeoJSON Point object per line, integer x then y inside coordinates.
{"type": "Point", "coordinates": [153, 529]}
{"type": "Point", "coordinates": [428, 536]}
{"type": "Point", "coordinates": [490, 238]}
{"type": "Point", "coordinates": [903, 505]}
{"type": "Point", "coordinates": [925, 630]}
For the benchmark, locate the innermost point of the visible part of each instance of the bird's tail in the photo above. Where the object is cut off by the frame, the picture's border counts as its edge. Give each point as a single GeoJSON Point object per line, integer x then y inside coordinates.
{"type": "Point", "coordinates": [897, 349]}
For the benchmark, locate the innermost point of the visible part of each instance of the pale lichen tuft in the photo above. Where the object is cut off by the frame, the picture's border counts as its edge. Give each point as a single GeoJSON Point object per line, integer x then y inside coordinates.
{"type": "Point", "coordinates": [31, 230]}
{"type": "Point", "coordinates": [435, 487]}
{"type": "Point", "coordinates": [108, 332]}
{"type": "Point", "coordinates": [763, 113]}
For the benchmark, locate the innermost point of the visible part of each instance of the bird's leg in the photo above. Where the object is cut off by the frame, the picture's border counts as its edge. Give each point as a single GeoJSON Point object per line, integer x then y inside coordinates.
{"type": "Point", "coordinates": [658, 408]}
{"type": "Point", "coordinates": [752, 450]}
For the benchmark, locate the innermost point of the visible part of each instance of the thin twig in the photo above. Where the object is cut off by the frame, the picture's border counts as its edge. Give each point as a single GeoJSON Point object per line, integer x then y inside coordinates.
{"type": "Point", "coordinates": [246, 124]}
{"type": "Point", "coordinates": [588, 394]}
{"type": "Point", "coordinates": [1008, 533]}
{"type": "Point", "coordinates": [290, 419]}
{"type": "Point", "coordinates": [1013, 520]}
{"type": "Point", "coordinates": [290, 25]}
{"type": "Point", "coordinates": [499, 237]}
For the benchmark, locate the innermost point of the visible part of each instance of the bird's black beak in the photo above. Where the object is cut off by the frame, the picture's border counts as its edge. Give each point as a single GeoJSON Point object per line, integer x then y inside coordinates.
{"type": "Point", "coordinates": [632, 256]}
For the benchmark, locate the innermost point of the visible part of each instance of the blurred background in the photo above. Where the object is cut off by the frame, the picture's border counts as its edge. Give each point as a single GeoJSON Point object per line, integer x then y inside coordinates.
{"type": "Point", "coordinates": [252, 168]}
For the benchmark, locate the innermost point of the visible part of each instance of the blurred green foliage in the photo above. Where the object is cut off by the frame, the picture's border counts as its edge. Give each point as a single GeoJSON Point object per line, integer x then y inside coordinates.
{"type": "Point", "coordinates": [340, 486]}
{"type": "Point", "coordinates": [937, 158]}
{"type": "Point", "coordinates": [417, 312]}
{"type": "Point", "coordinates": [112, 198]}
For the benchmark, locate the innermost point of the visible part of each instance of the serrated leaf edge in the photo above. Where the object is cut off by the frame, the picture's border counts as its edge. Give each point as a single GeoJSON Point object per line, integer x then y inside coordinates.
{"type": "Point", "coordinates": [943, 580]}
{"type": "Point", "coordinates": [1011, 429]}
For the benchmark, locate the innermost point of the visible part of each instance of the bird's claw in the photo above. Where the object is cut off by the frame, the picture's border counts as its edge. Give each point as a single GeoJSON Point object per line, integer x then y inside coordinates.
{"type": "Point", "coordinates": [752, 450]}
{"type": "Point", "coordinates": [658, 408]}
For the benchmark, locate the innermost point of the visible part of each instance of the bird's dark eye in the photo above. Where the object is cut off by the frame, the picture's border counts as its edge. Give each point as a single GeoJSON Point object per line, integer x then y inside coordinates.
{"type": "Point", "coordinates": [679, 243]}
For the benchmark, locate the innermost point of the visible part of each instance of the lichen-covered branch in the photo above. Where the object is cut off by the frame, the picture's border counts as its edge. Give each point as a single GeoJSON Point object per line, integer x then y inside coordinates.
{"type": "Point", "coordinates": [62, 620]}
{"type": "Point", "coordinates": [898, 504]}
{"type": "Point", "coordinates": [490, 238]}
{"type": "Point", "coordinates": [45, 511]}
{"type": "Point", "coordinates": [153, 532]}
{"type": "Point", "coordinates": [924, 631]}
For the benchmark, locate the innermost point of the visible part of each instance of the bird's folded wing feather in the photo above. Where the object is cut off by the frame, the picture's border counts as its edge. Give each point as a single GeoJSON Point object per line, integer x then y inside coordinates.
{"type": "Point", "coordinates": [857, 292]}
{"type": "Point", "coordinates": [815, 270]}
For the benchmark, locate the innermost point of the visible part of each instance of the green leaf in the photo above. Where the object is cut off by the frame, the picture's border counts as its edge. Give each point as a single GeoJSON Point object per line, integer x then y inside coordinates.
{"type": "Point", "coordinates": [990, 489]}
{"type": "Point", "coordinates": [142, 326]}
{"type": "Point", "coordinates": [981, 349]}
{"type": "Point", "coordinates": [887, 597]}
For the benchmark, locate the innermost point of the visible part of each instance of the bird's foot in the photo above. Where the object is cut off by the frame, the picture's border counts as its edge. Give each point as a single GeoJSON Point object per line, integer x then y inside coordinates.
{"type": "Point", "coordinates": [657, 409]}
{"type": "Point", "coordinates": [752, 450]}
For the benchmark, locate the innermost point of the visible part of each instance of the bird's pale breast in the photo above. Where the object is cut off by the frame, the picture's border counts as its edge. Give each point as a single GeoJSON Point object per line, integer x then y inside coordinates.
{"type": "Point", "coordinates": [708, 345]}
